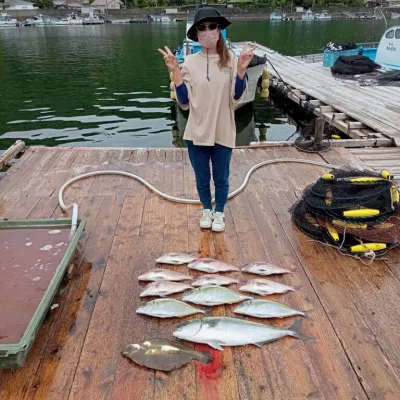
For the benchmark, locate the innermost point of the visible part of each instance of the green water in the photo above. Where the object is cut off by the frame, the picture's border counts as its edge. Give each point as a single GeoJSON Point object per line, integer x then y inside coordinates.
{"type": "Point", "coordinates": [107, 85]}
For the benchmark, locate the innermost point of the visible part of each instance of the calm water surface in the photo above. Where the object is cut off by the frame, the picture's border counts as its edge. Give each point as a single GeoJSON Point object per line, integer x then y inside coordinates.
{"type": "Point", "coordinates": [107, 85]}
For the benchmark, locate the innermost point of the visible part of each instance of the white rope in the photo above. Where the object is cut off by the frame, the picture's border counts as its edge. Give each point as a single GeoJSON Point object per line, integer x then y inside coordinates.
{"type": "Point", "coordinates": [165, 196]}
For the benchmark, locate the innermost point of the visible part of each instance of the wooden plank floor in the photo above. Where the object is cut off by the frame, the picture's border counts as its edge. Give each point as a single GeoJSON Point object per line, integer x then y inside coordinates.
{"type": "Point", "coordinates": [378, 107]}
{"type": "Point", "coordinates": [380, 158]}
{"type": "Point", "coordinates": [77, 354]}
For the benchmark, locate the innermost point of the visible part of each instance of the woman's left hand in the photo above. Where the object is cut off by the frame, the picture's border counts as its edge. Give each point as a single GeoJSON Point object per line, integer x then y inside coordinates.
{"type": "Point", "coordinates": [244, 59]}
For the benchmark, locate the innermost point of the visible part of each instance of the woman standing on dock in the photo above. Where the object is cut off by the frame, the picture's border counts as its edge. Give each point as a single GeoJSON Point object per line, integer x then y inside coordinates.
{"type": "Point", "coordinates": [211, 83]}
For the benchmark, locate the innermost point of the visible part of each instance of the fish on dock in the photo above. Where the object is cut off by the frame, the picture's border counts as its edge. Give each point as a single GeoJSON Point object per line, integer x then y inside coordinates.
{"type": "Point", "coordinates": [214, 279]}
{"type": "Point", "coordinates": [168, 308]}
{"type": "Point", "coordinates": [164, 354]}
{"type": "Point", "coordinates": [164, 275]}
{"type": "Point", "coordinates": [263, 268]}
{"type": "Point", "coordinates": [213, 296]}
{"type": "Point", "coordinates": [265, 287]}
{"type": "Point", "coordinates": [175, 258]}
{"type": "Point", "coordinates": [226, 331]}
{"type": "Point", "coordinates": [164, 288]}
{"type": "Point", "coordinates": [211, 265]}
{"type": "Point", "coordinates": [267, 309]}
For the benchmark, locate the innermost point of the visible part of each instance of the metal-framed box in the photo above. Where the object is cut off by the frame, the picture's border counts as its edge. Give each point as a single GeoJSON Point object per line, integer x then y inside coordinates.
{"type": "Point", "coordinates": [13, 355]}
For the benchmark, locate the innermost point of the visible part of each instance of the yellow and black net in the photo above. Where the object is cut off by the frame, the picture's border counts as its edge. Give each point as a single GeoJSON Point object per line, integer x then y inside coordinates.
{"type": "Point", "coordinates": [356, 211]}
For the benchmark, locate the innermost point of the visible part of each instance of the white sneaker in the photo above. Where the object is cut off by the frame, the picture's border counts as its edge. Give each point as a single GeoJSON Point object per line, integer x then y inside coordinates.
{"type": "Point", "coordinates": [207, 219]}
{"type": "Point", "coordinates": [218, 224]}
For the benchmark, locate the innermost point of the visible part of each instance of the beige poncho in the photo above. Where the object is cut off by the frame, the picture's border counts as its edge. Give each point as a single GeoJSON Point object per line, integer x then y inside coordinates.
{"type": "Point", "coordinates": [211, 102]}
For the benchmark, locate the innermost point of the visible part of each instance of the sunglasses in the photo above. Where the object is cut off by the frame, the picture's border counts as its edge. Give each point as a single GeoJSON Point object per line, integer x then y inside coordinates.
{"type": "Point", "coordinates": [211, 27]}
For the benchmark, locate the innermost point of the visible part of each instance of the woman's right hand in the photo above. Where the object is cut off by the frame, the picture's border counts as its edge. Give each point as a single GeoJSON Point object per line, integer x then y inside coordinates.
{"type": "Point", "coordinates": [170, 60]}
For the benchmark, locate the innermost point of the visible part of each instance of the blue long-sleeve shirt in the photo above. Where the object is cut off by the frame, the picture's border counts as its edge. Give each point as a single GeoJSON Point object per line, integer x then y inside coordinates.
{"type": "Point", "coordinates": [183, 95]}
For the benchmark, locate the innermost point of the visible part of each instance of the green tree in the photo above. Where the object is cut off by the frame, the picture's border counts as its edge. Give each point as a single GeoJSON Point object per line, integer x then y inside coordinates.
{"type": "Point", "coordinates": [44, 3]}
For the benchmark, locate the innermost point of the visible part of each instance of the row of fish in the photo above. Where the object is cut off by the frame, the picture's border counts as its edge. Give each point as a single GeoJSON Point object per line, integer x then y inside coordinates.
{"type": "Point", "coordinates": [263, 287]}
{"type": "Point", "coordinates": [211, 265]}
{"type": "Point", "coordinates": [169, 308]}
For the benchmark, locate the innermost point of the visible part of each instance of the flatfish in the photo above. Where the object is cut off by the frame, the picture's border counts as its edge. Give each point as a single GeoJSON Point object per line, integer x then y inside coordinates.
{"type": "Point", "coordinates": [164, 354]}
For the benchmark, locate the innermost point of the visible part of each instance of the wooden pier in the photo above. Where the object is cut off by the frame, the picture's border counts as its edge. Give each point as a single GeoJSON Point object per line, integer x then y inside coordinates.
{"type": "Point", "coordinates": [360, 112]}
{"type": "Point", "coordinates": [77, 354]}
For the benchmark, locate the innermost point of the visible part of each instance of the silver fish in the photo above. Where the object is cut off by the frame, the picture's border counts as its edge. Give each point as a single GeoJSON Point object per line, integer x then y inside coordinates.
{"type": "Point", "coordinates": [214, 295]}
{"type": "Point", "coordinates": [225, 331]}
{"type": "Point", "coordinates": [164, 288]}
{"type": "Point", "coordinates": [175, 258]}
{"type": "Point", "coordinates": [264, 287]}
{"type": "Point", "coordinates": [163, 275]}
{"type": "Point", "coordinates": [262, 268]}
{"type": "Point", "coordinates": [211, 266]}
{"type": "Point", "coordinates": [213, 279]}
{"type": "Point", "coordinates": [267, 309]}
{"type": "Point", "coordinates": [168, 308]}
{"type": "Point", "coordinates": [164, 354]}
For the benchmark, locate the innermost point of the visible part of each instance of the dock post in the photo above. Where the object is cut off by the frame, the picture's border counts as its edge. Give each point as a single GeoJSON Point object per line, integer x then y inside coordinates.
{"type": "Point", "coordinates": [319, 131]}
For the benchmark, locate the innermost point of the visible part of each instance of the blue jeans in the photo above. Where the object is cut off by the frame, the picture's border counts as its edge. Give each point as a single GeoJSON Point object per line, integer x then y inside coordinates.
{"type": "Point", "coordinates": [220, 157]}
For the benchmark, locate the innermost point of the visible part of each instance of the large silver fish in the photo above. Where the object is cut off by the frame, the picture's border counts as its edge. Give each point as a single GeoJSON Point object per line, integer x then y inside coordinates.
{"type": "Point", "coordinates": [214, 295]}
{"type": "Point", "coordinates": [225, 331]}
{"type": "Point", "coordinates": [262, 268]}
{"type": "Point", "coordinates": [213, 279]}
{"type": "Point", "coordinates": [265, 287]}
{"type": "Point", "coordinates": [211, 266]}
{"type": "Point", "coordinates": [267, 309]}
{"type": "Point", "coordinates": [164, 288]}
{"type": "Point", "coordinates": [164, 354]}
{"type": "Point", "coordinates": [168, 308]}
{"type": "Point", "coordinates": [175, 258]}
{"type": "Point", "coordinates": [163, 275]}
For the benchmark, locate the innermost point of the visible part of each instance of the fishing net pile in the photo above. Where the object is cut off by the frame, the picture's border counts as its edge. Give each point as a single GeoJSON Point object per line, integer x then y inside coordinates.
{"type": "Point", "coordinates": [353, 65]}
{"type": "Point", "coordinates": [355, 211]}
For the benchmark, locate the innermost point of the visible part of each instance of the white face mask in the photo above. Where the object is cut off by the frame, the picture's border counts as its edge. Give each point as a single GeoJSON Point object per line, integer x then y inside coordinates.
{"type": "Point", "coordinates": [208, 39]}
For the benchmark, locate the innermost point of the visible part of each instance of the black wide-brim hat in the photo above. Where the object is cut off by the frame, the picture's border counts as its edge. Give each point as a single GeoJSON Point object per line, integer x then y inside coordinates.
{"type": "Point", "coordinates": [206, 14]}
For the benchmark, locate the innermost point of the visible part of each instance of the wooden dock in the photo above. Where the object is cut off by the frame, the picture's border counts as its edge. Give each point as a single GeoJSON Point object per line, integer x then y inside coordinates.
{"type": "Point", "coordinates": [77, 354]}
{"type": "Point", "coordinates": [360, 112]}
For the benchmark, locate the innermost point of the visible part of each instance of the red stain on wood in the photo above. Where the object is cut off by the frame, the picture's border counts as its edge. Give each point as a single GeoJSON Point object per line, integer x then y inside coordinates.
{"type": "Point", "coordinates": [213, 370]}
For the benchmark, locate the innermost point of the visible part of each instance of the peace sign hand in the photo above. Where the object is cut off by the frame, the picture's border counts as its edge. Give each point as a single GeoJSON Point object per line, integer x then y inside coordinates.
{"type": "Point", "coordinates": [170, 60]}
{"type": "Point", "coordinates": [245, 57]}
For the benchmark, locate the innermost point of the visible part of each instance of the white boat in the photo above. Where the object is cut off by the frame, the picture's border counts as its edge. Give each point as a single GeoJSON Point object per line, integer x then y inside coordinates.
{"type": "Point", "coordinates": [323, 16]}
{"type": "Point", "coordinates": [72, 19]}
{"type": "Point", "coordinates": [40, 20]}
{"type": "Point", "coordinates": [93, 20]}
{"type": "Point", "coordinates": [254, 71]}
{"type": "Point", "coordinates": [7, 21]}
{"type": "Point", "coordinates": [160, 18]}
{"type": "Point", "coordinates": [388, 53]}
{"type": "Point", "coordinates": [395, 15]}
{"type": "Point", "coordinates": [308, 16]}
{"type": "Point", "coordinates": [275, 16]}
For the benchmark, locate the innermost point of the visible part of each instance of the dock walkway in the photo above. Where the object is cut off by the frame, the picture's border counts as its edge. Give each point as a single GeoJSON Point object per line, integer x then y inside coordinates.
{"type": "Point", "coordinates": [359, 111]}
{"type": "Point", "coordinates": [77, 354]}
